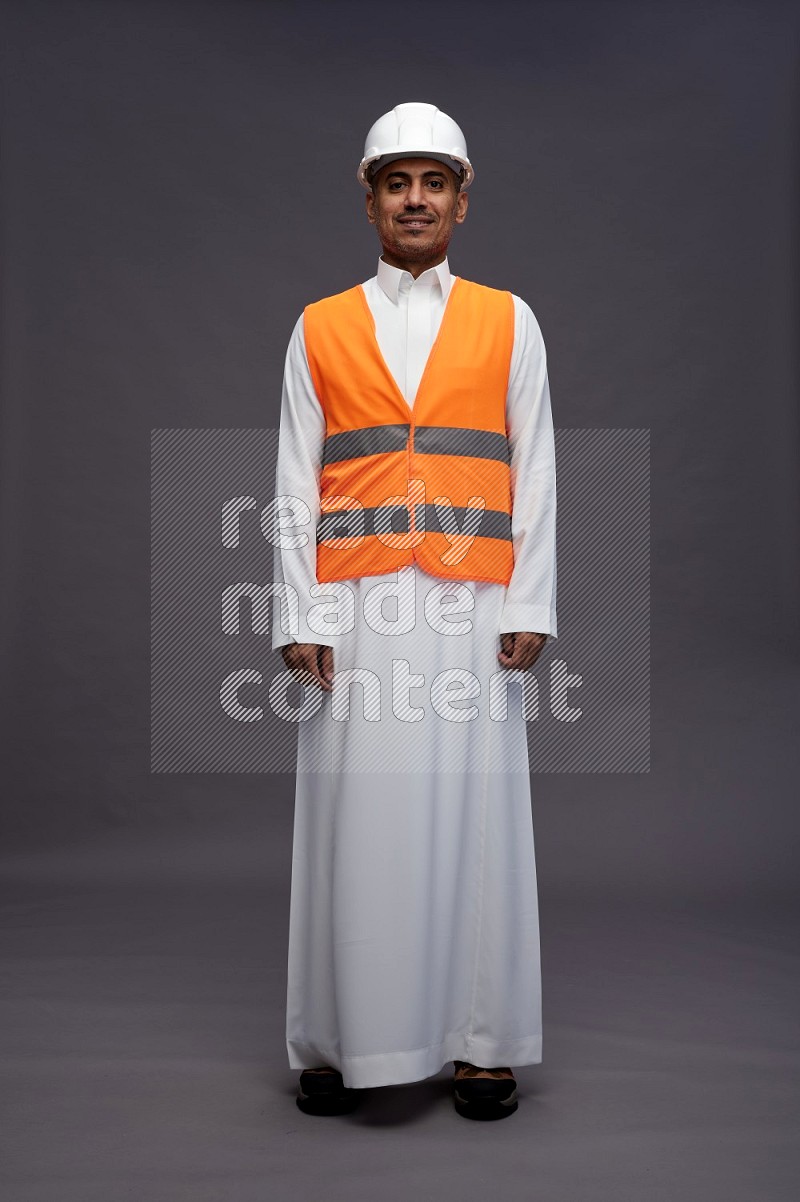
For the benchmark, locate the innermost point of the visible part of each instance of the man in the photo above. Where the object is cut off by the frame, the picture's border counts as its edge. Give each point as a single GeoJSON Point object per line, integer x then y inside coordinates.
{"type": "Point", "coordinates": [413, 934]}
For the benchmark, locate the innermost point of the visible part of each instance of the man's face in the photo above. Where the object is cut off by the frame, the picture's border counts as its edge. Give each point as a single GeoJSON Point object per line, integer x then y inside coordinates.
{"type": "Point", "coordinates": [414, 205]}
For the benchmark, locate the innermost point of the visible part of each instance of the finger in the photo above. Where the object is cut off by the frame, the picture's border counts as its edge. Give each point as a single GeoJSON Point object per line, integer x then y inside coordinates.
{"type": "Point", "coordinates": [326, 663]}
{"type": "Point", "coordinates": [530, 648]}
{"type": "Point", "coordinates": [527, 649]}
{"type": "Point", "coordinates": [506, 649]}
{"type": "Point", "coordinates": [292, 662]}
{"type": "Point", "coordinates": [302, 659]}
{"type": "Point", "coordinates": [312, 666]}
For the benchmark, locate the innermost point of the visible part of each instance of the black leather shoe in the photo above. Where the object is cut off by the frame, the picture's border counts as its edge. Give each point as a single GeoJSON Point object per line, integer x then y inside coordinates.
{"type": "Point", "coordinates": [483, 1098]}
{"type": "Point", "coordinates": [325, 1093]}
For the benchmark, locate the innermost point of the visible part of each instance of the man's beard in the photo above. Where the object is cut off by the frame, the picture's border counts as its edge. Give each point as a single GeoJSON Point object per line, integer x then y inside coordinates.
{"type": "Point", "coordinates": [420, 247]}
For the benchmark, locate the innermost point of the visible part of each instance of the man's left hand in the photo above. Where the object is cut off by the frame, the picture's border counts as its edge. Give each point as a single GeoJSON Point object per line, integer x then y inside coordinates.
{"type": "Point", "coordinates": [520, 650]}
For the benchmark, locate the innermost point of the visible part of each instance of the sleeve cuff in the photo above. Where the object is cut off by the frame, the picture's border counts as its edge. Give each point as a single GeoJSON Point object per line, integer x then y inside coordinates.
{"type": "Point", "coordinates": [303, 635]}
{"type": "Point", "coordinates": [538, 619]}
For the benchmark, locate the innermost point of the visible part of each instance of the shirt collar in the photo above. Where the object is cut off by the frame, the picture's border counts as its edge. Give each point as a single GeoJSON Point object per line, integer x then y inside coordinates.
{"type": "Point", "coordinates": [390, 279]}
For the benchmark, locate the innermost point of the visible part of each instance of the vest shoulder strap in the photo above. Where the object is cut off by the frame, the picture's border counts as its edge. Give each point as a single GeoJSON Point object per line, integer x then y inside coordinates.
{"type": "Point", "coordinates": [333, 308]}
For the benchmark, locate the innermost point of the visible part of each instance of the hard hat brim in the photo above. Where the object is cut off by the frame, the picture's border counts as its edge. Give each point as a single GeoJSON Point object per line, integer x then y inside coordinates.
{"type": "Point", "coordinates": [441, 155]}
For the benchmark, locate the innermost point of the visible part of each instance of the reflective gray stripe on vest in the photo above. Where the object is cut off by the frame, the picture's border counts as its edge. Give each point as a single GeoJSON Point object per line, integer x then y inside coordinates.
{"type": "Point", "coordinates": [369, 440]}
{"type": "Point", "coordinates": [428, 440]}
{"type": "Point", "coordinates": [461, 440]}
{"type": "Point", "coordinates": [355, 523]}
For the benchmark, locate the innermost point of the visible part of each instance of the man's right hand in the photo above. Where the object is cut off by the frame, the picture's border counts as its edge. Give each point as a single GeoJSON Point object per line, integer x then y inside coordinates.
{"type": "Point", "coordinates": [310, 659]}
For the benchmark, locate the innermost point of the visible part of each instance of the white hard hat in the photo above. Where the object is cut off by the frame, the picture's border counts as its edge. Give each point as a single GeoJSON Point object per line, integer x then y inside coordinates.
{"type": "Point", "coordinates": [415, 130]}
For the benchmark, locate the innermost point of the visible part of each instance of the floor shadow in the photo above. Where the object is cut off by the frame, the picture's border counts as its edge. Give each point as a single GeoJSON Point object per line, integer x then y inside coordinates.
{"type": "Point", "coordinates": [399, 1105]}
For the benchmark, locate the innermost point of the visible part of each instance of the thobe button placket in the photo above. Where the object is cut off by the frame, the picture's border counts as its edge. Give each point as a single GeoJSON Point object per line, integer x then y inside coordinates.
{"type": "Point", "coordinates": [416, 295]}
{"type": "Point", "coordinates": [418, 336]}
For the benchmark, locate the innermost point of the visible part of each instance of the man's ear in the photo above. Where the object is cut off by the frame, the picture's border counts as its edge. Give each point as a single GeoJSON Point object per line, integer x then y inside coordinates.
{"type": "Point", "coordinates": [370, 199]}
{"type": "Point", "coordinates": [462, 203]}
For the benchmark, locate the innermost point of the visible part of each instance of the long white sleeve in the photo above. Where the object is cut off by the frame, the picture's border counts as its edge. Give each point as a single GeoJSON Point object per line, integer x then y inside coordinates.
{"type": "Point", "coordinates": [301, 439]}
{"type": "Point", "coordinates": [531, 598]}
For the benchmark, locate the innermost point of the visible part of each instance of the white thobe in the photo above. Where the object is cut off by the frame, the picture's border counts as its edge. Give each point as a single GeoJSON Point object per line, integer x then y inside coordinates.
{"type": "Point", "coordinates": [414, 928]}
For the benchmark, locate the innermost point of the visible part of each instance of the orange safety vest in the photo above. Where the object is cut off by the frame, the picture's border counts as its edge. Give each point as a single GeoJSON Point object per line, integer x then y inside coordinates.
{"type": "Point", "coordinates": [432, 484]}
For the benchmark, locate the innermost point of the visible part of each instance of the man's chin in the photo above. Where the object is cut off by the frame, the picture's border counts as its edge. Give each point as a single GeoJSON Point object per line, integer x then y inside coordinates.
{"type": "Point", "coordinates": [417, 248]}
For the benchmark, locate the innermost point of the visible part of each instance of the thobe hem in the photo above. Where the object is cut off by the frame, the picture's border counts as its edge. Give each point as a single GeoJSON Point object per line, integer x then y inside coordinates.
{"type": "Point", "coordinates": [401, 1068]}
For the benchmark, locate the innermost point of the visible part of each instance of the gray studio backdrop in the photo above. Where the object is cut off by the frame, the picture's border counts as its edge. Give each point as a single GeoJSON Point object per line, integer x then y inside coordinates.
{"type": "Point", "coordinates": [178, 183]}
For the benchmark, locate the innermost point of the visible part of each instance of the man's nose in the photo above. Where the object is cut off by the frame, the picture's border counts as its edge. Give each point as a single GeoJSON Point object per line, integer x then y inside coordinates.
{"type": "Point", "coordinates": [415, 197]}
